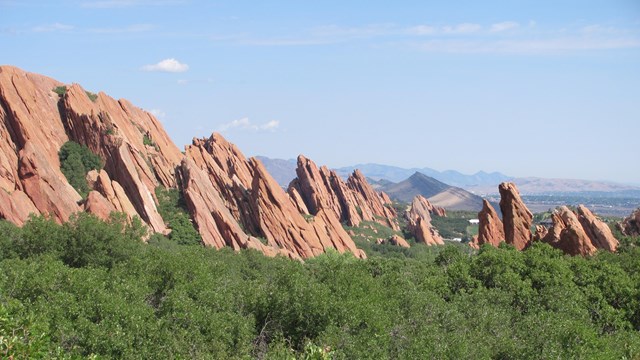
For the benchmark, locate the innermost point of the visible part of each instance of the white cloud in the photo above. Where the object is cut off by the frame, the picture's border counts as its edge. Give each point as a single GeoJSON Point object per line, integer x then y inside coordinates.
{"type": "Point", "coordinates": [53, 27]}
{"type": "Point", "coordinates": [465, 28]}
{"type": "Point", "coordinates": [158, 113]}
{"type": "Point", "coordinates": [528, 46]}
{"type": "Point", "coordinates": [422, 30]}
{"type": "Point", "coordinates": [245, 124]}
{"type": "Point", "coordinates": [167, 65]}
{"type": "Point", "coordinates": [127, 29]}
{"type": "Point", "coordinates": [504, 26]}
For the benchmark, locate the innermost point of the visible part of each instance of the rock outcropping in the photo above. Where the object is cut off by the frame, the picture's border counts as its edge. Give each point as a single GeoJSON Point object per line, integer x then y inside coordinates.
{"type": "Point", "coordinates": [516, 217]}
{"type": "Point", "coordinates": [575, 233]}
{"type": "Point", "coordinates": [630, 226]}
{"type": "Point", "coordinates": [578, 233]}
{"type": "Point", "coordinates": [233, 201]}
{"type": "Point", "coordinates": [490, 228]}
{"type": "Point", "coordinates": [418, 217]}
{"type": "Point", "coordinates": [316, 189]}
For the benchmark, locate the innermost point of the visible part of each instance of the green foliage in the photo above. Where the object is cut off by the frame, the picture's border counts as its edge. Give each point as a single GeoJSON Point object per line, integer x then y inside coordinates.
{"type": "Point", "coordinates": [75, 162]}
{"type": "Point", "coordinates": [60, 90]}
{"type": "Point", "coordinates": [173, 209]}
{"type": "Point", "coordinates": [456, 225]}
{"type": "Point", "coordinates": [92, 96]}
{"type": "Point", "coordinates": [92, 289]}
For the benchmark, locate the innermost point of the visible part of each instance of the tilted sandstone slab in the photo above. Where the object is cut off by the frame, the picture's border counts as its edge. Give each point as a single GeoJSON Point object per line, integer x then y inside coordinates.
{"type": "Point", "coordinates": [599, 232]}
{"type": "Point", "coordinates": [351, 202]}
{"type": "Point", "coordinates": [516, 217]}
{"type": "Point", "coordinates": [419, 222]}
{"type": "Point", "coordinates": [490, 228]}
{"type": "Point", "coordinates": [567, 234]}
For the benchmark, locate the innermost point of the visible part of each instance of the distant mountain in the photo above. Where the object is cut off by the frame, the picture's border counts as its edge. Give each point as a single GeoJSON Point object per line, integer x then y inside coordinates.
{"type": "Point", "coordinates": [437, 192]}
{"type": "Point", "coordinates": [283, 171]}
{"type": "Point", "coordinates": [542, 186]}
{"type": "Point", "coordinates": [451, 177]}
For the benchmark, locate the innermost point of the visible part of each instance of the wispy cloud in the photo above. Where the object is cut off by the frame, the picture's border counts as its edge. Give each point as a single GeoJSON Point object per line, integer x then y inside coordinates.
{"type": "Point", "coordinates": [167, 65]}
{"type": "Point", "coordinates": [245, 124]}
{"type": "Point", "coordinates": [112, 4]}
{"type": "Point", "coordinates": [527, 46]}
{"type": "Point", "coordinates": [506, 37]}
{"type": "Point", "coordinates": [52, 27]}
{"type": "Point", "coordinates": [160, 114]}
{"type": "Point", "coordinates": [465, 28]}
{"type": "Point", "coordinates": [134, 28]}
{"type": "Point", "coordinates": [503, 26]}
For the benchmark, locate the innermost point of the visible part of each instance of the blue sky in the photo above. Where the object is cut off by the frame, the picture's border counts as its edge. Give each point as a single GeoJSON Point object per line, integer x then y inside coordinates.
{"type": "Point", "coordinates": [528, 88]}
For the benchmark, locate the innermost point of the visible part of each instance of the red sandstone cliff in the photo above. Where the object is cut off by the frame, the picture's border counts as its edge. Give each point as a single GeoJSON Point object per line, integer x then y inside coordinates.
{"type": "Point", "coordinates": [233, 201]}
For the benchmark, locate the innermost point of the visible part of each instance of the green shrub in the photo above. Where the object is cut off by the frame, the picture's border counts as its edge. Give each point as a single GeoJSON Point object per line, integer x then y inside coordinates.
{"type": "Point", "coordinates": [60, 90]}
{"type": "Point", "coordinates": [75, 162]}
{"type": "Point", "coordinates": [92, 96]}
{"type": "Point", "coordinates": [173, 209]}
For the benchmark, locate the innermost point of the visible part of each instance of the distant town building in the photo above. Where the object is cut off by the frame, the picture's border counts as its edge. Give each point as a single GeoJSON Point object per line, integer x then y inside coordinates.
{"type": "Point", "coordinates": [474, 221]}
{"type": "Point", "coordinates": [457, 239]}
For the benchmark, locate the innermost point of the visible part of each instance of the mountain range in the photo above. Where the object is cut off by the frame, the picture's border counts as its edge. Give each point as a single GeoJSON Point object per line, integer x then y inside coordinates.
{"type": "Point", "coordinates": [481, 183]}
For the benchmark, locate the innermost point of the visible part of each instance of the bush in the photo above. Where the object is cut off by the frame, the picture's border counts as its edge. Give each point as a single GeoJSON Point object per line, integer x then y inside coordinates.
{"type": "Point", "coordinates": [173, 209]}
{"type": "Point", "coordinates": [75, 162]}
{"type": "Point", "coordinates": [60, 90]}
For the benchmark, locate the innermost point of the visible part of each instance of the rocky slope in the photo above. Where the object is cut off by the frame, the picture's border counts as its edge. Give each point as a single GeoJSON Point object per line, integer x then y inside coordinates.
{"type": "Point", "coordinates": [320, 189]}
{"type": "Point", "coordinates": [574, 232]}
{"type": "Point", "coordinates": [418, 217]}
{"type": "Point", "coordinates": [233, 201]}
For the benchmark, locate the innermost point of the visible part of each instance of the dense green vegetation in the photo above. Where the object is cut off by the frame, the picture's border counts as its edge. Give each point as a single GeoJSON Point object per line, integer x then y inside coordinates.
{"type": "Point", "coordinates": [456, 225]}
{"type": "Point", "coordinates": [60, 90]}
{"type": "Point", "coordinates": [75, 162]}
{"type": "Point", "coordinates": [173, 209]}
{"type": "Point", "coordinates": [93, 289]}
{"type": "Point", "coordinates": [92, 96]}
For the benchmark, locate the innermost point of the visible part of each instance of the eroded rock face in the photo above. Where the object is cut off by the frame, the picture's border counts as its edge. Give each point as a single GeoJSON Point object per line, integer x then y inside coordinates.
{"type": "Point", "coordinates": [234, 202]}
{"type": "Point", "coordinates": [567, 234]}
{"type": "Point", "coordinates": [599, 233]}
{"type": "Point", "coordinates": [490, 228]}
{"type": "Point", "coordinates": [225, 191]}
{"type": "Point", "coordinates": [630, 226]}
{"type": "Point", "coordinates": [419, 222]}
{"type": "Point", "coordinates": [516, 217]}
{"type": "Point", "coordinates": [317, 189]}
{"type": "Point", "coordinates": [578, 233]}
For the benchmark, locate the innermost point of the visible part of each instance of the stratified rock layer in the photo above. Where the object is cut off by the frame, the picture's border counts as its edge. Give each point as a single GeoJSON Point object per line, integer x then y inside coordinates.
{"type": "Point", "coordinates": [419, 221]}
{"type": "Point", "coordinates": [352, 202]}
{"type": "Point", "coordinates": [516, 218]}
{"type": "Point", "coordinates": [490, 228]}
{"type": "Point", "coordinates": [233, 201]}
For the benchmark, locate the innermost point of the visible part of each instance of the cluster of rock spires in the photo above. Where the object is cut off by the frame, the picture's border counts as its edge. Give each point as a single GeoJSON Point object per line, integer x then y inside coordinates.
{"type": "Point", "coordinates": [232, 201]}
{"type": "Point", "coordinates": [576, 232]}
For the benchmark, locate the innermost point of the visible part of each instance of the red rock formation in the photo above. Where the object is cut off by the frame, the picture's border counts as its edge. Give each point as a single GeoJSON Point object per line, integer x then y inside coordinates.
{"type": "Point", "coordinates": [568, 235]}
{"type": "Point", "coordinates": [516, 217]}
{"type": "Point", "coordinates": [490, 229]}
{"type": "Point", "coordinates": [368, 198]}
{"type": "Point", "coordinates": [599, 233]}
{"type": "Point", "coordinates": [395, 240]}
{"type": "Point", "coordinates": [630, 226]}
{"type": "Point", "coordinates": [318, 189]}
{"type": "Point", "coordinates": [224, 190]}
{"type": "Point", "coordinates": [98, 205]}
{"type": "Point", "coordinates": [419, 222]}
{"type": "Point", "coordinates": [234, 202]}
